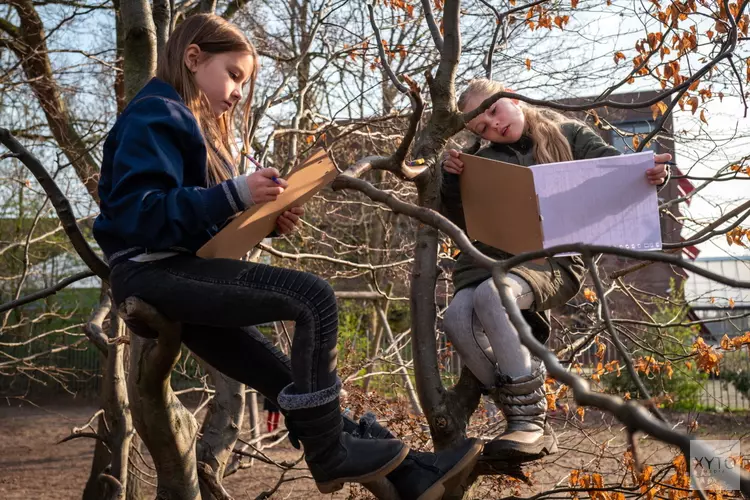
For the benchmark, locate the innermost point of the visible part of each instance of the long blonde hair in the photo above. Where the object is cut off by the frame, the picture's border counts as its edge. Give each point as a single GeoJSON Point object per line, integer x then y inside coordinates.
{"type": "Point", "coordinates": [214, 35]}
{"type": "Point", "coordinates": [542, 125]}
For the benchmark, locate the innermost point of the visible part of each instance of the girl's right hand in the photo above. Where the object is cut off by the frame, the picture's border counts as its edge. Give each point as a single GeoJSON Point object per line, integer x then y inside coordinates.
{"type": "Point", "coordinates": [451, 162]}
{"type": "Point", "coordinates": [262, 186]}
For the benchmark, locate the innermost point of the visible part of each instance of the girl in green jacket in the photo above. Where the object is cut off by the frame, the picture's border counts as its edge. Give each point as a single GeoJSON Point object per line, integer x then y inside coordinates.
{"type": "Point", "coordinates": [476, 321]}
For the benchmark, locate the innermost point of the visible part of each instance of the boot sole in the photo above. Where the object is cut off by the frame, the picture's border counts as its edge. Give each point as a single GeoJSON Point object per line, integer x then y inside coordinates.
{"type": "Point", "coordinates": [336, 484]}
{"type": "Point", "coordinates": [456, 476]}
{"type": "Point", "coordinates": [506, 449]}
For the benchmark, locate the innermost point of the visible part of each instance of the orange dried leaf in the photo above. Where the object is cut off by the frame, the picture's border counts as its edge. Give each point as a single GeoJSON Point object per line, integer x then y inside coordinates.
{"type": "Point", "coordinates": [528, 64]}
{"type": "Point", "coordinates": [693, 102]}
{"type": "Point", "coordinates": [589, 295]}
{"type": "Point", "coordinates": [619, 56]}
{"type": "Point", "coordinates": [725, 343]}
{"type": "Point", "coordinates": [574, 3]}
{"type": "Point", "coordinates": [658, 109]}
{"type": "Point", "coordinates": [601, 348]}
{"type": "Point", "coordinates": [581, 412]}
{"type": "Point", "coordinates": [703, 116]}
{"type": "Point", "coordinates": [551, 401]}
{"type": "Point", "coordinates": [574, 475]}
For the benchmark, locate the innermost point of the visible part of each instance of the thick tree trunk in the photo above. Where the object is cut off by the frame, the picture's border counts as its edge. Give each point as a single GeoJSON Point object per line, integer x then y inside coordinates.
{"type": "Point", "coordinates": [32, 52]}
{"type": "Point", "coordinates": [220, 430]}
{"type": "Point", "coordinates": [108, 477]}
{"type": "Point", "coordinates": [96, 489]}
{"type": "Point", "coordinates": [139, 46]}
{"type": "Point", "coordinates": [167, 428]}
{"type": "Point", "coordinates": [137, 488]}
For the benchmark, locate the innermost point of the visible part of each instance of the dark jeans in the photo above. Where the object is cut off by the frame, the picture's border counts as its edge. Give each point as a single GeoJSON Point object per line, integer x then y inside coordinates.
{"type": "Point", "coordinates": [217, 300]}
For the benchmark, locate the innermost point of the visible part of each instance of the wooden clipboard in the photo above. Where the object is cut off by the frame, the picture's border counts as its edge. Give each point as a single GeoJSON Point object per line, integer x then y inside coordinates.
{"type": "Point", "coordinates": [253, 225]}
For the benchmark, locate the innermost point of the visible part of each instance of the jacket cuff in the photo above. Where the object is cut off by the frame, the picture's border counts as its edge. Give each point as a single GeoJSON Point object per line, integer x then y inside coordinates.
{"type": "Point", "coordinates": [222, 202]}
{"type": "Point", "coordinates": [243, 191]}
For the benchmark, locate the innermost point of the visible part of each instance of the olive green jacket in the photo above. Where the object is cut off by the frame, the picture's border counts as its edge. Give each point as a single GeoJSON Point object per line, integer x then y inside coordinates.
{"type": "Point", "coordinates": [558, 279]}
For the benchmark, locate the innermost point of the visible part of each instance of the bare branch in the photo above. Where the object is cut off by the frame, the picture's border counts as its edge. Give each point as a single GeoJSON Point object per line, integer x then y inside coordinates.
{"type": "Point", "coordinates": [634, 416]}
{"type": "Point", "coordinates": [60, 202]}
{"type": "Point", "coordinates": [46, 292]}
{"type": "Point", "coordinates": [706, 230]}
{"type": "Point", "coordinates": [93, 328]}
{"type": "Point", "coordinates": [355, 265]}
{"type": "Point", "coordinates": [381, 50]}
{"type": "Point", "coordinates": [627, 358]}
{"type": "Point", "coordinates": [432, 25]}
{"type": "Point", "coordinates": [425, 215]}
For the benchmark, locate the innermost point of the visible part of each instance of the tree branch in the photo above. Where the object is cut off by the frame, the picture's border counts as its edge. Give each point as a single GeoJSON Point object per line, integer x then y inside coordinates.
{"type": "Point", "coordinates": [432, 25]}
{"type": "Point", "coordinates": [425, 215]}
{"type": "Point", "coordinates": [381, 50]}
{"type": "Point", "coordinates": [93, 328]}
{"type": "Point", "coordinates": [634, 416]}
{"type": "Point", "coordinates": [46, 292]}
{"type": "Point", "coordinates": [60, 202]}
{"type": "Point", "coordinates": [627, 358]}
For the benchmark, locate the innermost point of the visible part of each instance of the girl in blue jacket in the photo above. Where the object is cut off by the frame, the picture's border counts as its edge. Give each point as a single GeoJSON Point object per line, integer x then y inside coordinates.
{"type": "Point", "coordinates": [168, 183]}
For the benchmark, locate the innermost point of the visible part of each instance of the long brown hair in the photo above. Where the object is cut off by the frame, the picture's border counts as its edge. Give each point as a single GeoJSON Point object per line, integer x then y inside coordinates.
{"type": "Point", "coordinates": [542, 125]}
{"type": "Point", "coordinates": [214, 35]}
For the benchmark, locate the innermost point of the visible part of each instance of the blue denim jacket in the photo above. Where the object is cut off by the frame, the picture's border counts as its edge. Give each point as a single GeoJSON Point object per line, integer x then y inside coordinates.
{"type": "Point", "coordinates": [154, 186]}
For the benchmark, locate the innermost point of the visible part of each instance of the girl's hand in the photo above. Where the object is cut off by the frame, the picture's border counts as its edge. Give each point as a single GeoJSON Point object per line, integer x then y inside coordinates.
{"type": "Point", "coordinates": [451, 162]}
{"type": "Point", "coordinates": [289, 220]}
{"type": "Point", "coordinates": [262, 186]}
{"type": "Point", "coordinates": [658, 174]}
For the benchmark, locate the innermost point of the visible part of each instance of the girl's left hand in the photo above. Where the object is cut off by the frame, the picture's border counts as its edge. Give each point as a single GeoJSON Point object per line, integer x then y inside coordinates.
{"type": "Point", "coordinates": [289, 220]}
{"type": "Point", "coordinates": [658, 174]}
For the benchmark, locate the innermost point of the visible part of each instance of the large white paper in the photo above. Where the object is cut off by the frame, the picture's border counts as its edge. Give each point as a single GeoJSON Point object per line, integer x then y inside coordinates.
{"type": "Point", "coordinates": [601, 201]}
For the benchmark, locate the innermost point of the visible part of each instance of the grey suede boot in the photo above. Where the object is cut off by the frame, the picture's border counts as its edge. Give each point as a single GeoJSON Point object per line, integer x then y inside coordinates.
{"type": "Point", "coordinates": [522, 400]}
{"type": "Point", "coordinates": [335, 457]}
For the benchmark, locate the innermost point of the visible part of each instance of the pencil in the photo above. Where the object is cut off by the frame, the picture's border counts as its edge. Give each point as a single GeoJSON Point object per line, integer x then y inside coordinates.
{"type": "Point", "coordinates": [257, 164]}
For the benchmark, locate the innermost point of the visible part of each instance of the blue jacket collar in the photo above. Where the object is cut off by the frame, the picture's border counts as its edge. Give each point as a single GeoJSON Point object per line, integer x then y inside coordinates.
{"type": "Point", "coordinates": [159, 88]}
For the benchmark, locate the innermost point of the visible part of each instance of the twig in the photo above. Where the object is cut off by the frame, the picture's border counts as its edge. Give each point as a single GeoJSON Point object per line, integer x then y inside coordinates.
{"type": "Point", "coordinates": [46, 292]}
{"type": "Point", "coordinates": [93, 328]}
{"type": "Point", "coordinates": [706, 230]}
{"type": "Point", "coordinates": [627, 358]}
{"type": "Point", "coordinates": [381, 50]}
{"type": "Point", "coordinates": [634, 416]}
{"type": "Point", "coordinates": [60, 202]}
{"type": "Point", "coordinates": [432, 25]}
{"type": "Point", "coordinates": [92, 435]}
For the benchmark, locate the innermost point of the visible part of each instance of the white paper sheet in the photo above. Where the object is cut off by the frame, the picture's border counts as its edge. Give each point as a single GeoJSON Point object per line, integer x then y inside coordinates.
{"type": "Point", "coordinates": [601, 201]}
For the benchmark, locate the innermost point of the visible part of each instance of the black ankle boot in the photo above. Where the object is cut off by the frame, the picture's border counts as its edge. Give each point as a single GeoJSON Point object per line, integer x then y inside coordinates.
{"type": "Point", "coordinates": [428, 476]}
{"type": "Point", "coordinates": [422, 475]}
{"type": "Point", "coordinates": [334, 457]}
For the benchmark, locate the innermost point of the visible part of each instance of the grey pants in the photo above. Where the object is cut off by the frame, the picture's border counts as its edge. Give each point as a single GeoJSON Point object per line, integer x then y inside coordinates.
{"type": "Point", "coordinates": [479, 328]}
